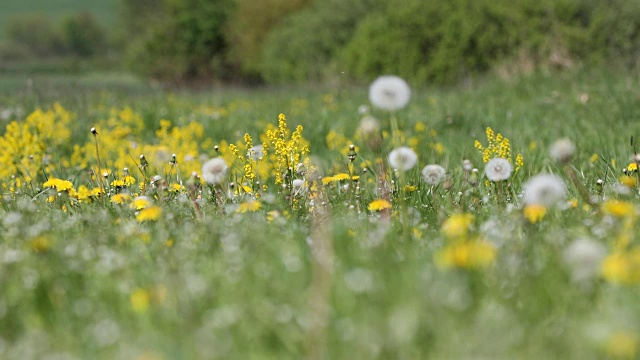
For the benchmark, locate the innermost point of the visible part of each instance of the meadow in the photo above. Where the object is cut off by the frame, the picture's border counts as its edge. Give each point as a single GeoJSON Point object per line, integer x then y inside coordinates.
{"type": "Point", "coordinates": [145, 223]}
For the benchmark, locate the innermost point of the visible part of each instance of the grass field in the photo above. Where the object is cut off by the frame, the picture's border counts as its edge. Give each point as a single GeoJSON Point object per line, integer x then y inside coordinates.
{"type": "Point", "coordinates": [342, 257]}
{"type": "Point", "coordinates": [103, 10]}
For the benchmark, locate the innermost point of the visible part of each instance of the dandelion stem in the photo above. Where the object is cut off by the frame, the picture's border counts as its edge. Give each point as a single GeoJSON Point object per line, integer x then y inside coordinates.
{"type": "Point", "coordinates": [582, 190]}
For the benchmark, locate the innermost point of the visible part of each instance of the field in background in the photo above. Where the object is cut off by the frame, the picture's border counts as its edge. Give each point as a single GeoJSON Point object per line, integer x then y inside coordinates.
{"type": "Point", "coordinates": [92, 279]}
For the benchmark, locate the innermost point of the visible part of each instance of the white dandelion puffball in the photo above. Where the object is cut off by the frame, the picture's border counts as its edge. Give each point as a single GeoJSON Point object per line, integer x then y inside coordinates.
{"type": "Point", "coordinates": [498, 169]}
{"type": "Point", "coordinates": [214, 171]}
{"type": "Point", "coordinates": [389, 93]}
{"type": "Point", "coordinates": [562, 150]}
{"type": "Point", "coordinates": [256, 152]}
{"type": "Point", "coordinates": [583, 257]}
{"type": "Point", "coordinates": [369, 125]}
{"type": "Point", "coordinates": [298, 185]}
{"type": "Point", "coordinates": [544, 189]}
{"type": "Point", "coordinates": [403, 158]}
{"type": "Point", "coordinates": [433, 174]}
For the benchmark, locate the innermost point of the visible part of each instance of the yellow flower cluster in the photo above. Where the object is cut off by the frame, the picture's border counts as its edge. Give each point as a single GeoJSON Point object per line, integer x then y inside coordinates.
{"type": "Point", "coordinates": [497, 146]}
{"type": "Point", "coordinates": [289, 149]}
{"type": "Point", "coordinates": [27, 145]}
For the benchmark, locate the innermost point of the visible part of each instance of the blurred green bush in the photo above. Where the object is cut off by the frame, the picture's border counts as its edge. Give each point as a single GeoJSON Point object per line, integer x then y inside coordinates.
{"type": "Point", "coordinates": [35, 34]}
{"type": "Point", "coordinates": [82, 35]}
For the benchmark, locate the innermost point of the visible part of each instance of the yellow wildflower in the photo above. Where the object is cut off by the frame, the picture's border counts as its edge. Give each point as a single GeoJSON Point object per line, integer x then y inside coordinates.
{"type": "Point", "coordinates": [534, 213]}
{"type": "Point", "coordinates": [249, 206]}
{"type": "Point", "coordinates": [457, 226]}
{"type": "Point", "coordinates": [626, 180]}
{"type": "Point", "coordinates": [140, 203]}
{"type": "Point", "coordinates": [379, 205]}
{"type": "Point", "coordinates": [622, 267]}
{"type": "Point", "coordinates": [150, 213]}
{"type": "Point", "coordinates": [120, 198]}
{"type": "Point", "coordinates": [473, 254]}
{"type": "Point", "coordinates": [40, 244]}
{"type": "Point", "coordinates": [117, 183]}
{"type": "Point", "coordinates": [139, 300]}
{"type": "Point", "coordinates": [58, 184]}
{"type": "Point", "coordinates": [623, 345]}
{"type": "Point", "coordinates": [618, 208]}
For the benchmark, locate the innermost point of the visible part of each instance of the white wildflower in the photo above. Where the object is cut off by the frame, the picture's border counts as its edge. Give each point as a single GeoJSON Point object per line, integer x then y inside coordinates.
{"type": "Point", "coordinates": [389, 93]}
{"type": "Point", "coordinates": [403, 158]}
{"type": "Point", "coordinates": [256, 152]}
{"type": "Point", "coordinates": [544, 189]}
{"type": "Point", "coordinates": [369, 125]}
{"type": "Point", "coordinates": [562, 150]}
{"type": "Point", "coordinates": [433, 174]}
{"type": "Point", "coordinates": [214, 171]}
{"type": "Point", "coordinates": [498, 169]}
{"type": "Point", "coordinates": [583, 256]}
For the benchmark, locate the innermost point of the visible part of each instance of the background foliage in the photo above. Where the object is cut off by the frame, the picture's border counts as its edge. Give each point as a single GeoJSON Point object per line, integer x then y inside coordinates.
{"type": "Point", "coordinates": [275, 41]}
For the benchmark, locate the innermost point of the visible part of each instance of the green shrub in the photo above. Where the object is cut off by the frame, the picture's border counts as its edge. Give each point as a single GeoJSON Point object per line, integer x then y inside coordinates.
{"type": "Point", "coordinates": [304, 45]}
{"type": "Point", "coordinates": [35, 33]}
{"type": "Point", "coordinates": [247, 27]}
{"type": "Point", "coordinates": [82, 35]}
{"type": "Point", "coordinates": [185, 43]}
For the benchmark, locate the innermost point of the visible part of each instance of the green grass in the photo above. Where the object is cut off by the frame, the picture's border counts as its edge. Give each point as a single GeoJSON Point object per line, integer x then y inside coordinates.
{"type": "Point", "coordinates": [329, 283]}
{"type": "Point", "coordinates": [104, 10]}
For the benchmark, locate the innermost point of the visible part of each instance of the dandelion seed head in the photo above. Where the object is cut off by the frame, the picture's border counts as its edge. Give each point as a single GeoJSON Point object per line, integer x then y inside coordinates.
{"type": "Point", "coordinates": [583, 256]}
{"type": "Point", "coordinates": [498, 169]}
{"type": "Point", "coordinates": [389, 93]}
{"type": "Point", "coordinates": [544, 189]}
{"type": "Point", "coordinates": [214, 171]}
{"type": "Point", "coordinates": [562, 150]}
{"type": "Point", "coordinates": [369, 125]}
{"type": "Point", "coordinates": [433, 174]}
{"type": "Point", "coordinates": [403, 158]}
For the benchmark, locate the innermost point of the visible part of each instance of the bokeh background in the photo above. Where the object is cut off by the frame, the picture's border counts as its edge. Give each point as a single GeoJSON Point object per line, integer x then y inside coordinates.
{"type": "Point", "coordinates": [200, 42]}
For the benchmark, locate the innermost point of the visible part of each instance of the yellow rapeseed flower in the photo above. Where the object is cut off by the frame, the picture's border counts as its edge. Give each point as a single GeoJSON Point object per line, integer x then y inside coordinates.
{"type": "Point", "coordinates": [379, 205]}
{"type": "Point", "coordinates": [457, 226]}
{"type": "Point", "coordinates": [150, 213]}
{"type": "Point", "coordinates": [534, 213]}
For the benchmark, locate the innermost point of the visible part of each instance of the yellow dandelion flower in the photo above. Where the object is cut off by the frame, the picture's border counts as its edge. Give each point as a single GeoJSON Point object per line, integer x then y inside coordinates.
{"type": "Point", "coordinates": [40, 244]}
{"type": "Point", "coordinates": [58, 184]}
{"type": "Point", "coordinates": [355, 178]}
{"type": "Point", "coordinates": [632, 167]}
{"type": "Point", "coordinates": [150, 213]}
{"type": "Point", "coordinates": [626, 180]}
{"type": "Point", "coordinates": [168, 243]}
{"type": "Point", "coordinates": [409, 188]}
{"type": "Point", "coordinates": [474, 254]}
{"type": "Point", "coordinates": [117, 183]}
{"type": "Point", "coordinates": [176, 187]}
{"type": "Point", "coordinates": [457, 226]}
{"type": "Point", "coordinates": [623, 345]}
{"type": "Point", "coordinates": [140, 203]}
{"type": "Point", "coordinates": [249, 206]}
{"type": "Point", "coordinates": [534, 213]}
{"type": "Point", "coordinates": [379, 205]}
{"type": "Point", "coordinates": [129, 180]}
{"type": "Point", "coordinates": [96, 192]}
{"type": "Point", "coordinates": [622, 267]}
{"type": "Point", "coordinates": [618, 208]}
{"type": "Point", "coordinates": [340, 177]}
{"type": "Point", "coordinates": [139, 300]}
{"type": "Point", "coordinates": [120, 198]}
